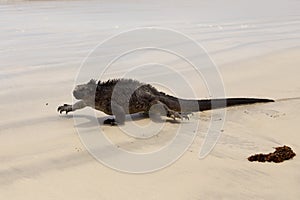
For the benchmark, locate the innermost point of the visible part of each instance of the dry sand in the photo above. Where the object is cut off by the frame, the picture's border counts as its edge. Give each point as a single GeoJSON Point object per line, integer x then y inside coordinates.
{"type": "Point", "coordinates": [42, 157]}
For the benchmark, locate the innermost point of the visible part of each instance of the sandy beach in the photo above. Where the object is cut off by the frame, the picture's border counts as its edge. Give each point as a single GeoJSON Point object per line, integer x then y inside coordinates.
{"type": "Point", "coordinates": [43, 44]}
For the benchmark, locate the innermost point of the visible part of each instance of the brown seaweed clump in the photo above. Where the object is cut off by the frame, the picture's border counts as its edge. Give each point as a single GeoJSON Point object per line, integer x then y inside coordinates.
{"type": "Point", "coordinates": [279, 155]}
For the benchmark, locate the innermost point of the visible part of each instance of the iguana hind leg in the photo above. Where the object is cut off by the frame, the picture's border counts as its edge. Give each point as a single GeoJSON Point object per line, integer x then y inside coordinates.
{"type": "Point", "coordinates": [157, 107]}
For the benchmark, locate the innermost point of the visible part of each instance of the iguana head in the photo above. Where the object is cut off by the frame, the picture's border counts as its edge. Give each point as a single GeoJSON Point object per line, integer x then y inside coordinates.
{"type": "Point", "coordinates": [85, 91]}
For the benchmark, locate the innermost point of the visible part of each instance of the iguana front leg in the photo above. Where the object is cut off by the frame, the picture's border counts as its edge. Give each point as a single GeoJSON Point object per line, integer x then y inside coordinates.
{"type": "Point", "coordinates": [69, 108]}
{"type": "Point", "coordinates": [119, 114]}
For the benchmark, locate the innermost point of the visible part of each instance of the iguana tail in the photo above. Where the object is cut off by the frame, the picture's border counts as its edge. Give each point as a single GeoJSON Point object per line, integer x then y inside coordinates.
{"type": "Point", "coordinates": [187, 105]}
{"type": "Point", "coordinates": [222, 103]}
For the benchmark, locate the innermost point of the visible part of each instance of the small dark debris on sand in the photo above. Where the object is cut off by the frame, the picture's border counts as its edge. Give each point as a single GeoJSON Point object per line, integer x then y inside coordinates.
{"type": "Point", "coordinates": [279, 155]}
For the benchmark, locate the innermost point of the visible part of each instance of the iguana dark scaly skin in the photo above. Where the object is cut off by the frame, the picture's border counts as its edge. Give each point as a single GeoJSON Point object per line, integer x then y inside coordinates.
{"type": "Point", "coordinates": [119, 97]}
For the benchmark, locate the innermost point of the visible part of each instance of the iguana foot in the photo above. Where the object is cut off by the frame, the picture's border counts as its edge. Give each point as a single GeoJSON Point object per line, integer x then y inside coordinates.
{"type": "Point", "coordinates": [112, 122]}
{"type": "Point", "coordinates": [66, 107]}
{"type": "Point", "coordinates": [173, 114]}
{"type": "Point", "coordinates": [185, 115]}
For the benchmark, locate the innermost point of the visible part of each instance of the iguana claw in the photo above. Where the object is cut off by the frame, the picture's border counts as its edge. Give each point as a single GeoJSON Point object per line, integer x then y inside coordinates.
{"type": "Point", "coordinates": [66, 107]}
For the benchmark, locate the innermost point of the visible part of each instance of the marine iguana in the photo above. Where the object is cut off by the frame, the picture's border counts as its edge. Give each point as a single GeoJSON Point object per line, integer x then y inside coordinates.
{"type": "Point", "coordinates": [119, 97]}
